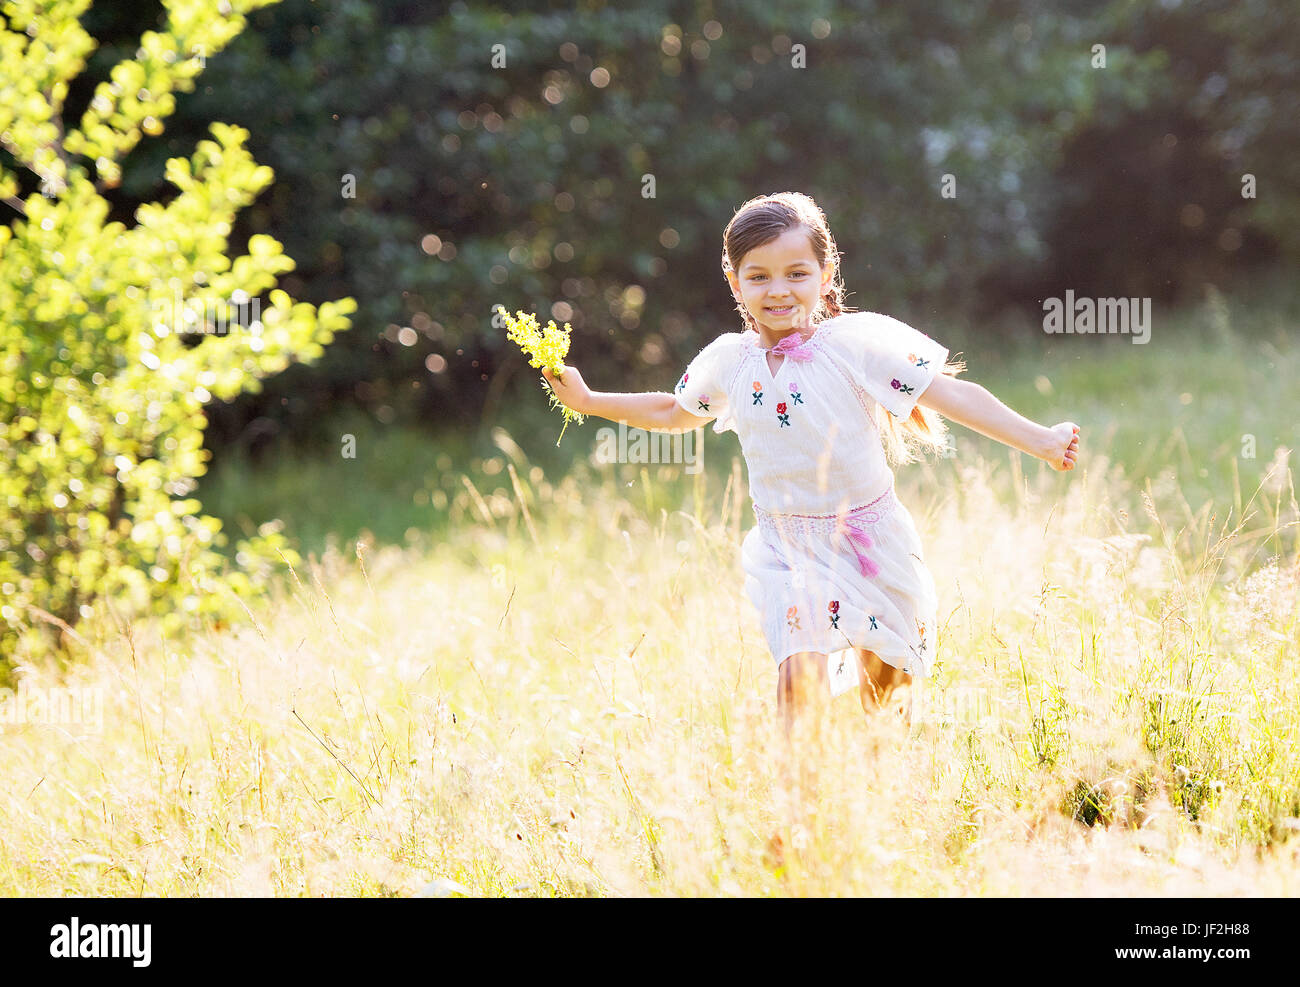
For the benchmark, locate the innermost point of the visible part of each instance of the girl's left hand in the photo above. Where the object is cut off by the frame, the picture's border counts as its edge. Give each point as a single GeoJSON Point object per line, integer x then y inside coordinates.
{"type": "Point", "coordinates": [1063, 449]}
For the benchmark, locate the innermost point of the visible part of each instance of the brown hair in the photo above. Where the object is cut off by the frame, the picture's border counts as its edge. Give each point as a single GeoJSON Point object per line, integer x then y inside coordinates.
{"type": "Point", "coordinates": [764, 218]}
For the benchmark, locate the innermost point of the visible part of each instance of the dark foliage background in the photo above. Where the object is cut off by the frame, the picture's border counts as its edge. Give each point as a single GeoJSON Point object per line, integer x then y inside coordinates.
{"type": "Point", "coordinates": [523, 185]}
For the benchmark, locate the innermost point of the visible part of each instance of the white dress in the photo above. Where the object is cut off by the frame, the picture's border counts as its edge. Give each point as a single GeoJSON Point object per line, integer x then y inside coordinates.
{"type": "Point", "coordinates": [835, 561]}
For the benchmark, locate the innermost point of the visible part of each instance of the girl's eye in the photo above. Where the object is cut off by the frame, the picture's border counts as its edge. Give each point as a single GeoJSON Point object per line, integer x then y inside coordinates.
{"type": "Point", "coordinates": [796, 274]}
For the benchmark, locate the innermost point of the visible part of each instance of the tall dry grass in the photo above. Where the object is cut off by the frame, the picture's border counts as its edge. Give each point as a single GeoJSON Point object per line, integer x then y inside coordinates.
{"type": "Point", "coordinates": [571, 696]}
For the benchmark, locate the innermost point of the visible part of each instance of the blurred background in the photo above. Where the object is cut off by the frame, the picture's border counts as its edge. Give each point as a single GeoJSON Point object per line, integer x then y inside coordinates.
{"type": "Point", "coordinates": [1101, 147]}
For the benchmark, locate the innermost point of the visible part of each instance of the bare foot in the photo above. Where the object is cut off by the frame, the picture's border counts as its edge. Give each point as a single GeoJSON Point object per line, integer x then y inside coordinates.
{"type": "Point", "coordinates": [774, 853]}
{"type": "Point", "coordinates": [779, 853]}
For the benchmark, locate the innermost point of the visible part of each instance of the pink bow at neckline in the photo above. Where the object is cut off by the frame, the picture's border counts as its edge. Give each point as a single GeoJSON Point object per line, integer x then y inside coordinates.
{"type": "Point", "coordinates": [795, 347]}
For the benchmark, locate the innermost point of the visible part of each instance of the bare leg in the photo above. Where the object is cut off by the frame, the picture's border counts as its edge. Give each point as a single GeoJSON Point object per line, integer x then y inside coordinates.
{"type": "Point", "coordinates": [803, 699]}
{"type": "Point", "coordinates": [883, 685]}
{"type": "Point", "coordinates": [802, 691]}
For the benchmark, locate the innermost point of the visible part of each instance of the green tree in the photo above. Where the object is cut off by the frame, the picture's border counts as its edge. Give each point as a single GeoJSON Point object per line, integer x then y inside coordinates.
{"type": "Point", "coordinates": [499, 152]}
{"type": "Point", "coordinates": [1198, 181]}
{"type": "Point", "coordinates": [112, 338]}
{"type": "Point", "coordinates": [523, 175]}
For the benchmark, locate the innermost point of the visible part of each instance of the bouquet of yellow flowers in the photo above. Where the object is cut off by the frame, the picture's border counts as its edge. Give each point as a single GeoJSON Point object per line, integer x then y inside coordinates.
{"type": "Point", "coordinates": [545, 348]}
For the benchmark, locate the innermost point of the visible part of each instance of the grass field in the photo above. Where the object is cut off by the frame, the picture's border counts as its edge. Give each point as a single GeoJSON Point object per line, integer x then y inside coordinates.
{"type": "Point", "coordinates": [552, 684]}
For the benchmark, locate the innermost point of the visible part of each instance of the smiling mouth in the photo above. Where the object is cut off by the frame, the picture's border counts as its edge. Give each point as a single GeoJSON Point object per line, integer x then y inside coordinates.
{"type": "Point", "coordinates": [779, 309]}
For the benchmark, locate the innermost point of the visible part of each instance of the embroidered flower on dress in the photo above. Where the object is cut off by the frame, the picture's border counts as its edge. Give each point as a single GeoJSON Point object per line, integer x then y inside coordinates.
{"type": "Point", "coordinates": [835, 613]}
{"type": "Point", "coordinates": [704, 402]}
{"type": "Point", "coordinates": [794, 390]}
{"type": "Point", "coordinates": [758, 393]}
{"type": "Point", "coordinates": [792, 618]}
{"type": "Point", "coordinates": [781, 414]}
{"type": "Point", "coordinates": [681, 384]}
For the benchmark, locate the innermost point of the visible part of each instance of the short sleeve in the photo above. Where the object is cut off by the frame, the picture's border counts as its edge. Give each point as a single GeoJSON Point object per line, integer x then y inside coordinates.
{"type": "Point", "coordinates": [895, 362]}
{"type": "Point", "coordinates": [702, 389]}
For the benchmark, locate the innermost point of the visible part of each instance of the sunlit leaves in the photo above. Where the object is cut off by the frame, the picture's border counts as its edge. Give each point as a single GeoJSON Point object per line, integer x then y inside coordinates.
{"type": "Point", "coordinates": [104, 368]}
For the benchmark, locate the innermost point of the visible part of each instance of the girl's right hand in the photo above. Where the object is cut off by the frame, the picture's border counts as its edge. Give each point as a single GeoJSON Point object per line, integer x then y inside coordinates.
{"type": "Point", "coordinates": [571, 389]}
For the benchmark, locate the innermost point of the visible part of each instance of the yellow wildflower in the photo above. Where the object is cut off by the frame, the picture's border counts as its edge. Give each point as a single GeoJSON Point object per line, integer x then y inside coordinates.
{"type": "Point", "coordinates": [544, 348]}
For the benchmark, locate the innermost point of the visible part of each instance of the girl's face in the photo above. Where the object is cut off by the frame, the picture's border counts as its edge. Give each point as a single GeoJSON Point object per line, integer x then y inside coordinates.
{"type": "Point", "coordinates": [780, 283]}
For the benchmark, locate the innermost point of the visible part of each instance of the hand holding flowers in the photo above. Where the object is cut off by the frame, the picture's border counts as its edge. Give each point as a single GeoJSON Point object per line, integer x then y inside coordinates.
{"type": "Point", "coordinates": [546, 348]}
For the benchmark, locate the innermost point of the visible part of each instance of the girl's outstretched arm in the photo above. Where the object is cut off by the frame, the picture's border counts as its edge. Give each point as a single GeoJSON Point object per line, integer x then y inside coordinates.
{"type": "Point", "coordinates": [651, 410]}
{"type": "Point", "coordinates": [972, 405]}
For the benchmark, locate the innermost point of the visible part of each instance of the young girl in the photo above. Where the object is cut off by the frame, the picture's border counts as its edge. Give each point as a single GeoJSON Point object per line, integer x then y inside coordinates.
{"type": "Point", "coordinates": [823, 400]}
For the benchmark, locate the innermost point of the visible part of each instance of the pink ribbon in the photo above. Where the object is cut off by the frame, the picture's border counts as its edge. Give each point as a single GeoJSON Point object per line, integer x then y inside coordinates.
{"type": "Point", "coordinates": [859, 541]}
{"type": "Point", "coordinates": [795, 347]}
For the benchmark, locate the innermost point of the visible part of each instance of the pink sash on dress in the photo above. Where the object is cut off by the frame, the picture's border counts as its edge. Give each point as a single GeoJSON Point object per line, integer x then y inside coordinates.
{"type": "Point", "coordinates": [850, 524]}
{"type": "Point", "coordinates": [859, 540]}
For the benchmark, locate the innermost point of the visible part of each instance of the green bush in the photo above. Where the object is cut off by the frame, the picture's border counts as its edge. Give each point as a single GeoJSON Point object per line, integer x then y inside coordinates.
{"type": "Point", "coordinates": [111, 336]}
